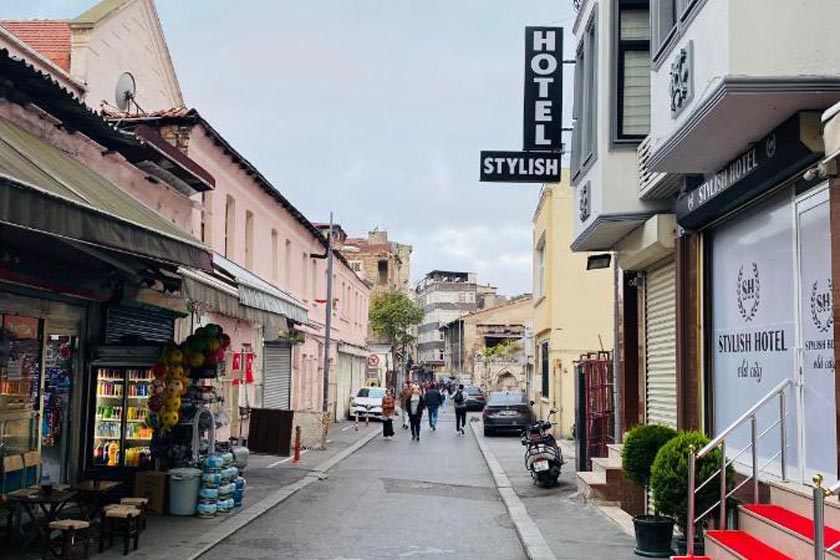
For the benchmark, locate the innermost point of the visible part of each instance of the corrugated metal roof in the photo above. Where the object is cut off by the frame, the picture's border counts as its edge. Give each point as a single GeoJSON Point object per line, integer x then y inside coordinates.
{"type": "Point", "coordinates": [32, 165]}
{"type": "Point", "coordinates": [51, 38]}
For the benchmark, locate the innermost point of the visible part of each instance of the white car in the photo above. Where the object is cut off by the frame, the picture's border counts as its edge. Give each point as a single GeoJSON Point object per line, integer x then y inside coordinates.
{"type": "Point", "coordinates": [368, 401]}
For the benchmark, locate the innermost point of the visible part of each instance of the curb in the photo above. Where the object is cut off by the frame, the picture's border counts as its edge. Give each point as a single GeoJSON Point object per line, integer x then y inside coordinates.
{"type": "Point", "coordinates": [209, 539]}
{"type": "Point", "coordinates": [536, 547]}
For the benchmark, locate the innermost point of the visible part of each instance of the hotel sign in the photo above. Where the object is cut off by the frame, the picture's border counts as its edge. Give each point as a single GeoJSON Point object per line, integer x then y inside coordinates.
{"type": "Point", "coordinates": [542, 117]}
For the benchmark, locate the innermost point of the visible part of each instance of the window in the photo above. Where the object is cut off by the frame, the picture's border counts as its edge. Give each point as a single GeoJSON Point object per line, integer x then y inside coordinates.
{"type": "Point", "coordinates": [544, 368]}
{"type": "Point", "coordinates": [249, 240]}
{"type": "Point", "coordinates": [275, 257]}
{"type": "Point", "coordinates": [584, 135]}
{"type": "Point", "coordinates": [539, 268]}
{"type": "Point", "coordinates": [383, 272]}
{"type": "Point", "coordinates": [287, 265]}
{"type": "Point", "coordinates": [304, 274]}
{"type": "Point", "coordinates": [664, 21]}
{"type": "Point", "coordinates": [230, 226]}
{"type": "Point", "coordinates": [314, 279]}
{"type": "Point", "coordinates": [632, 112]}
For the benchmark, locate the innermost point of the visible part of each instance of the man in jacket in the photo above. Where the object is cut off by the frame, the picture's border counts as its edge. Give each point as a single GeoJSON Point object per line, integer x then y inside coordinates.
{"type": "Point", "coordinates": [433, 400]}
{"type": "Point", "coordinates": [460, 401]}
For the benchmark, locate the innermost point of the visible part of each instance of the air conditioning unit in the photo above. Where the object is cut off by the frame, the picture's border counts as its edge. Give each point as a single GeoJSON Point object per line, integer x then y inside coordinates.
{"type": "Point", "coordinates": [652, 184]}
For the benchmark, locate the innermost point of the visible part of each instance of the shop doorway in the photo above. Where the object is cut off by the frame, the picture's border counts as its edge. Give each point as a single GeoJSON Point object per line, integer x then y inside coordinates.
{"type": "Point", "coordinates": [61, 361]}
{"type": "Point", "coordinates": [815, 335]}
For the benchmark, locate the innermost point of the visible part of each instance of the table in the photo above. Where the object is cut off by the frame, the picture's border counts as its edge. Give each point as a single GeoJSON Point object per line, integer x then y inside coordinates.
{"type": "Point", "coordinates": [50, 505]}
{"type": "Point", "coordinates": [93, 495]}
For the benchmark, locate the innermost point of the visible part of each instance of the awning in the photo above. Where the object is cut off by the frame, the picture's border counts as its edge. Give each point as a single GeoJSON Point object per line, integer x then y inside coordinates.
{"type": "Point", "coordinates": [259, 294]}
{"type": "Point", "coordinates": [46, 190]}
{"type": "Point", "coordinates": [233, 291]}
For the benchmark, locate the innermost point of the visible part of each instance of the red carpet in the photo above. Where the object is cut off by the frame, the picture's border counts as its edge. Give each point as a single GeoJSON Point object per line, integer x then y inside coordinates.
{"type": "Point", "coordinates": [747, 546]}
{"type": "Point", "coordinates": [793, 521]}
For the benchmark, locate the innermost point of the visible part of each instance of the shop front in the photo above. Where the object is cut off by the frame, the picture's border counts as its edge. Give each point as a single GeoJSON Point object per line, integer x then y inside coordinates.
{"type": "Point", "coordinates": [766, 299]}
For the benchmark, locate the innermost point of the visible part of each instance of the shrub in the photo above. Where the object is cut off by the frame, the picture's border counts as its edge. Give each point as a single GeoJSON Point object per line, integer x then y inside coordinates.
{"type": "Point", "coordinates": [641, 444]}
{"type": "Point", "coordinates": [669, 478]}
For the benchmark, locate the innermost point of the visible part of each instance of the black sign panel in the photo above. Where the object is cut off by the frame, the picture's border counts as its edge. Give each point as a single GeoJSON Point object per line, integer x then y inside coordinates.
{"type": "Point", "coordinates": [543, 114]}
{"type": "Point", "coordinates": [760, 168]}
{"type": "Point", "coordinates": [520, 167]}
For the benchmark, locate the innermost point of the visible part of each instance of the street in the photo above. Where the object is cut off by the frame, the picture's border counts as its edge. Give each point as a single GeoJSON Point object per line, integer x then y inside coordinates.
{"type": "Point", "coordinates": [432, 499]}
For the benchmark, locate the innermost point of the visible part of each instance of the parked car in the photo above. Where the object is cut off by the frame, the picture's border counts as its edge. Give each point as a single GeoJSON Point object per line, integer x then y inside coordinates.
{"type": "Point", "coordinates": [368, 401]}
{"type": "Point", "coordinates": [507, 410]}
{"type": "Point", "coordinates": [475, 398]}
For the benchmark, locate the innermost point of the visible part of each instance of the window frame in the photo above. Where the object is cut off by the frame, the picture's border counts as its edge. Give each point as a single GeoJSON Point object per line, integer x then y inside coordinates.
{"type": "Point", "coordinates": [585, 106]}
{"type": "Point", "coordinates": [539, 266]}
{"type": "Point", "coordinates": [545, 367]}
{"type": "Point", "coordinates": [620, 48]}
{"type": "Point", "coordinates": [684, 13]}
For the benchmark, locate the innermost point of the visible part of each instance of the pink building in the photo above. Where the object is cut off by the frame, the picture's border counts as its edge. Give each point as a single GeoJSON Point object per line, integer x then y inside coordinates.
{"type": "Point", "coordinates": [264, 245]}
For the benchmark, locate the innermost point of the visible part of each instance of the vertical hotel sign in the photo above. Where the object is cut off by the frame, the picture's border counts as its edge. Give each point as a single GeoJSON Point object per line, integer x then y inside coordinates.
{"type": "Point", "coordinates": [539, 162]}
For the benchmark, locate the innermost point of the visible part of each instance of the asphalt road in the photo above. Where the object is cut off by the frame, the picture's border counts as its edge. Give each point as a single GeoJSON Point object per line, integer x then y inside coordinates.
{"type": "Point", "coordinates": [392, 499]}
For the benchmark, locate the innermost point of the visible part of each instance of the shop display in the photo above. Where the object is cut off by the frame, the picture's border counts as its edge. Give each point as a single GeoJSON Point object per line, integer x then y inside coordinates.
{"type": "Point", "coordinates": [121, 436]}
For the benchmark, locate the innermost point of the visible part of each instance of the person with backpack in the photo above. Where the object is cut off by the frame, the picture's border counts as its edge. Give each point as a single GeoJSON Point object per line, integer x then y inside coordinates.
{"type": "Point", "coordinates": [460, 400]}
{"type": "Point", "coordinates": [433, 400]}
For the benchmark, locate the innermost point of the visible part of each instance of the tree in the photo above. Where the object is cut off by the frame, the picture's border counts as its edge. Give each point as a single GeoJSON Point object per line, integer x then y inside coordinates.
{"type": "Point", "coordinates": [392, 314]}
{"type": "Point", "coordinates": [501, 354]}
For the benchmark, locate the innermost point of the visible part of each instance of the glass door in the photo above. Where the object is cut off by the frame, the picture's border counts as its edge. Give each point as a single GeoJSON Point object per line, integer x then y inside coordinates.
{"type": "Point", "coordinates": [816, 336]}
{"type": "Point", "coordinates": [137, 434]}
{"type": "Point", "coordinates": [107, 427]}
{"type": "Point", "coordinates": [60, 359]}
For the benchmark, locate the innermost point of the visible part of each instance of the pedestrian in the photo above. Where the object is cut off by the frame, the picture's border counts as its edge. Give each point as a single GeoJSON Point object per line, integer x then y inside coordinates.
{"type": "Point", "coordinates": [404, 394]}
{"type": "Point", "coordinates": [388, 406]}
{"type": "Point", "coordinates": [414, 406]}
{"type": "Point", "coordinates": [444, 398]}
{"type": "Point", "coordinates": [433, 401]}
{"type": "Point", "coordinates": [460, 400]}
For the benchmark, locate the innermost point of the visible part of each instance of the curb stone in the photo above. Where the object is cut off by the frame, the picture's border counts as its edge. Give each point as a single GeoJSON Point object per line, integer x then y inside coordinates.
{"type": "Point", "coordinates": [194, 549]}
{"type": "Point", "coordinates": [536, 547]}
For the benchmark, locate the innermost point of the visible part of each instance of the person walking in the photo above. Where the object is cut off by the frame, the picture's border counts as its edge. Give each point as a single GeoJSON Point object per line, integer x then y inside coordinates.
{"type": "Point", "coordinates": [404, 394]}
{"type": "Point", "coordinates": [388, 407]}
{"type": "Point", "coordinates": [460, 400]}
{"type": "Point", "coordinates": [433, 400]}
{"type": "Point", "coordinates": [414, 406]}
{"type": "Point", "coordinates": [444, 398]}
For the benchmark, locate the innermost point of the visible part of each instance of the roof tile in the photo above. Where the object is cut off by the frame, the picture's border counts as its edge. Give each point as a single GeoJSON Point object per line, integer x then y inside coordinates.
{"type": "Point", "coordinates": [51, 38]}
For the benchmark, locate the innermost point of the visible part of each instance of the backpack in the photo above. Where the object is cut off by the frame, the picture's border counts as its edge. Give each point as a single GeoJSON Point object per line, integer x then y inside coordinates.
{"type": "Point", "coordinates": [459, 397]}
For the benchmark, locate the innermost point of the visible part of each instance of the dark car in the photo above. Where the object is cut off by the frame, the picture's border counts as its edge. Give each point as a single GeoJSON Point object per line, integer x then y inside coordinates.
{"type": "Point", "coordinates": [475, 398]}
{"type": "Point", "coordinates": [508, 410]}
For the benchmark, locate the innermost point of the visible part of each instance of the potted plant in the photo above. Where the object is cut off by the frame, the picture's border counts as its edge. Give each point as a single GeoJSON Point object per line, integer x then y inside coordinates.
{"type": "Point", "coordinates": [641, 444]}
{"type": "Point", "coordinates": [669, 482]}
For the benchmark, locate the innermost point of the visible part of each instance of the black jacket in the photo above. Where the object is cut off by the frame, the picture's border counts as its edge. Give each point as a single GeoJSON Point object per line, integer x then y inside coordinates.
{"type": "Point", "coordinates": [407, 406]}
{"type": "Point", "coordinates": [433, 398]}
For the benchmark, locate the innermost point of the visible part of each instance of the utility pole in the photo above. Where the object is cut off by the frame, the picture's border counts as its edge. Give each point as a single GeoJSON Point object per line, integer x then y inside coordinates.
{"type": "Point", "coordinates": [329, 317]}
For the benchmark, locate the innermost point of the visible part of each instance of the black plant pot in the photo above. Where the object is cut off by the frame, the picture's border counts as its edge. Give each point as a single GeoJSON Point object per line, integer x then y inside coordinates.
{"type": "Point", "coordinates": [699, 547]}
{"type": "Point", "coordinates": [653, 536]}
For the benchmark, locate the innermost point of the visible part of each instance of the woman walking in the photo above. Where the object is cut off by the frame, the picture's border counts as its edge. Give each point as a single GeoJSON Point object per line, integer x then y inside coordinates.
{"type": "Point", "coordinates": [388, 406]}
{"type": "Point", "coordinates": [414, 405]}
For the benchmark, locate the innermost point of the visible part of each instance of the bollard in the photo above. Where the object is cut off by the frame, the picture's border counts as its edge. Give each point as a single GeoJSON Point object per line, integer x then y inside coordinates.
{"type": "Point", "coordinates": [367, 417]}
{"type": "Point", "coordinates": [297, 445]}
{"type": "Point", "coordinates": [356, 423]}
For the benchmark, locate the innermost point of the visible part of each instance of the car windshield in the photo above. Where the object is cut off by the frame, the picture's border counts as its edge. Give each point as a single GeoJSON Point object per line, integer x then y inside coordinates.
{"type": "Point", "coordinates": [506, 399]}
{"type": "Point", "coordinates": [363, 392]}
{"type": "Point", "coordinates": [473, 391]}
{"type": "Point", "coordinates": [376, 393]}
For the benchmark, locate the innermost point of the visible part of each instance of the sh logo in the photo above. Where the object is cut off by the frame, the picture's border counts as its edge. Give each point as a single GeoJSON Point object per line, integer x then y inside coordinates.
{"type": "Point", "coordinates": [748, 292]}
{"type": "Point", "coordinates": [821, 306]}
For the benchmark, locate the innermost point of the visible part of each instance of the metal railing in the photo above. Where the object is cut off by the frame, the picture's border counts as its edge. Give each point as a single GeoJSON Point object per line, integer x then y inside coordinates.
{"type": "Point", "coordinates": [820, 494]}
{"type": "Point", "coordinates": [719, 442]}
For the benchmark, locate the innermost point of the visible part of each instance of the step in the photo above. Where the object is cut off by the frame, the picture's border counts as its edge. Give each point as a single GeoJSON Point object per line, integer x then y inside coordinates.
{"type": "Point", "coordinates": [614, 450]}
{"type": "Point", "coordinates": [610, 467]}
{"type": "Point", "coordinates": [593, 488]}
{"type": "Point", "coordinates": [738, 545]}
{"type": "Point", "coordinates": [798, 498]}
{"type": "Point", "coordinates": [783, 529]}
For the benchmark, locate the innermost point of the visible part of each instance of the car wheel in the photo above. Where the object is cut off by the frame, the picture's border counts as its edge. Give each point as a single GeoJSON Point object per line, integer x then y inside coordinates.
{"type": "Point", "coordinates": [488, 432]}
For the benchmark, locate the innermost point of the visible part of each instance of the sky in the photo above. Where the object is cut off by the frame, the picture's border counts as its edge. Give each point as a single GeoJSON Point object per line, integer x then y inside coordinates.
{"type": "Point", "coordinates": [376, 110]}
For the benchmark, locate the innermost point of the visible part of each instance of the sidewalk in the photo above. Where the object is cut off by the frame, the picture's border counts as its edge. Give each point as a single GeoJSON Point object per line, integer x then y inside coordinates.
{"type": "Point", "coordinates": [552, 523]}
{"type": "Point", "coordinates": [270, 480]}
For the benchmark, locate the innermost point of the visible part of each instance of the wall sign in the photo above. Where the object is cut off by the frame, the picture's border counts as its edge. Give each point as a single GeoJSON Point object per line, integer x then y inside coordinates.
{"type": "Point", "coordinates": [752, 172]}
{"type": "Point", "coordinates": [520, 167]}
{"type": "Point", "coordinates": [585, 202]}
{"type": "Point", "coordinates": [682, 79]}
{"type": "Point", "coordinates": [542, 118]}
{"type": "Point", "coordinates": [543, 115]}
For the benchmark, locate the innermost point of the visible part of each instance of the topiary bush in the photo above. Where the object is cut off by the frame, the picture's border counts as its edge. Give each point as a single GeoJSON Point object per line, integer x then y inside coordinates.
{"type": "Point", "coordinates": [641, 444]}
{"type": "Point", "coordinates": [669, 478]}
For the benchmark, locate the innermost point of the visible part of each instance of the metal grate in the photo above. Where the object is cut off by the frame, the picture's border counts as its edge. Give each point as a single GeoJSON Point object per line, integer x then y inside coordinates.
{"type": "Point", "coordinates": [652, 184]}
{"type": "Point", "coordinates": [128, 325]}
{"type": "Point", "coordinates": [314, 427]}
{"type": "Point", "coordinates": [277, 372]}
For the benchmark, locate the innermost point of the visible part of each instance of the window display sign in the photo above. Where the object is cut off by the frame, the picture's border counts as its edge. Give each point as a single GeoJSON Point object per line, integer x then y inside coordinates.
{"type": "Point", "coordinates": [753, 328]}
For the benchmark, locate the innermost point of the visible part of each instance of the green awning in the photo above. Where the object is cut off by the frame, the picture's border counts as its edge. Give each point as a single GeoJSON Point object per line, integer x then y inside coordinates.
{"type": "Point", "coordinates": [46, 190]}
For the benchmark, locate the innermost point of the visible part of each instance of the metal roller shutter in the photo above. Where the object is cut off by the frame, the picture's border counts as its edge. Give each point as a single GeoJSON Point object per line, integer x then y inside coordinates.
{"type": "Point", "coordinates": [128, 325]}
{"type": "Point", "coordinates": [277, 375]}
{"type": "Point", "coordinates": [661, 345]}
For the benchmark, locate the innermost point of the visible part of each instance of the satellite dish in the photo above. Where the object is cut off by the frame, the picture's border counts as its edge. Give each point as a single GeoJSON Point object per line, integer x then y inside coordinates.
{"type": "Point", "coordinates": [126, 87]}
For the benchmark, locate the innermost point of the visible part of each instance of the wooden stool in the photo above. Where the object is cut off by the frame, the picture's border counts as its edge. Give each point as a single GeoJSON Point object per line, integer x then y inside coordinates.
{"type": "Point", "coordinates": [73, 531]}
{"type": "Point", "coordinates": [120, 520]}
{"type": "Point", "coordinates": [140, 503]}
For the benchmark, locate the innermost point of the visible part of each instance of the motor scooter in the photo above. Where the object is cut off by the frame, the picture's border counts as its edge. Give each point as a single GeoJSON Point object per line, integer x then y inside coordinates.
{"type": "Point", "coordinates": [543, 457]}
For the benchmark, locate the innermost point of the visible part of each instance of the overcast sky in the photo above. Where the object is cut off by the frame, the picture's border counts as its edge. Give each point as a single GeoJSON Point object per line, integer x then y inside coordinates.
{"type": "Point", "coordinates": [374, 109]}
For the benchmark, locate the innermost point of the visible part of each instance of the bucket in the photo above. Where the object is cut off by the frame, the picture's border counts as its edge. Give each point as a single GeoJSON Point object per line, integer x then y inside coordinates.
{"type": "Point", "coordinates": [183, 491]}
